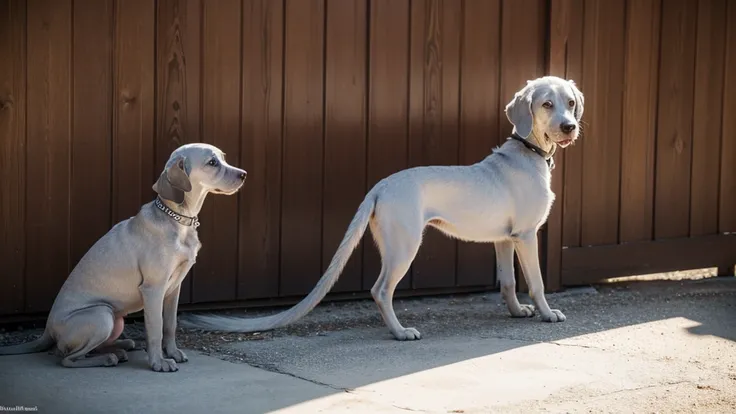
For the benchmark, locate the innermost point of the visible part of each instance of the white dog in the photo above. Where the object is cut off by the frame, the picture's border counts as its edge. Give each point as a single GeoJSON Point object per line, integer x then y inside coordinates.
{"type": "Point", "coordinates": [503, 199]}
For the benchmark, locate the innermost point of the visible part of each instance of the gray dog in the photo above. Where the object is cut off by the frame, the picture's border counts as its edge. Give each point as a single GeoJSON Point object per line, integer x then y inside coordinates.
{"type": "Point", "coordinates": [503, 199]}
{"type": "Point", "coordinates": [139, 264]}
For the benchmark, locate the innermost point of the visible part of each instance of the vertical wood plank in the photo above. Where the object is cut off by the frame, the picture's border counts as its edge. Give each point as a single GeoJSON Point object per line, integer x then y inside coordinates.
{"type": "Point", "coordinates": [479, 117]}
{"type": "Point", "coordinates": [215, 278]}
{"type": "Point", "coordinates": [91, 125]}
{"type": "Point", "coordinates": [522, 58]}
{"type": "Point", "coordinates": [571, 170]}
{"type": "Point", "coordinates": [433, 134]}
{"type": "Point", "coordinates": [301, 230]}
{"type": "Point", "coordinates": [603, 66]}
{"type": "Point", "coordinates": [345, 131]}
{"type": "Point", "coordinates": [675, 120]}
{"type": "Point", "coordinates": [133, 124]}
{"type": "Point", "coordinates": [260, 220]}
{"type": "Point", "coordinates": [178, 60]}
{"type": "Point", "coordinates": [12, 154]}
{"type": "Point", "coordinates": [639, 120]}
{"type": "Point", "coordinates": [709, 59]}
{"type": "Point", "coordinates": [727, 199]}
{"type": "Point", "coordinates": [49, 139]}
{"type": "Point", "coordinates": [388, 108]}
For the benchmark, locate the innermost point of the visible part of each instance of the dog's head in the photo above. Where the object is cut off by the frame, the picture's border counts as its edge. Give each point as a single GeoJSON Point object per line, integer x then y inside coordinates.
{"type": "Point", "coordinates": [198, 168]}
{"type": "Point", "coordinates": [548, 107]}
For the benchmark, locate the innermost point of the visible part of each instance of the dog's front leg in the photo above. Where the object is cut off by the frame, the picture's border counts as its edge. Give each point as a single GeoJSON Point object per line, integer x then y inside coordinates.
{"type": "Point", "coordinates": [153, 301]}
{"type": "Point", "coordinates": [527, 249]}
{"type": "Point", "coordinates": [505, 277]}
{"type": "Point", "coordinates": [171, 304]}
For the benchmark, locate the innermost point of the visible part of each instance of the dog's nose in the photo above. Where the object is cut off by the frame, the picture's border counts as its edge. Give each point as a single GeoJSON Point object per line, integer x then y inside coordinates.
{"type": "Point", "coordinates": [242, 176]}
{"type": "Point", "coordinates": [567, 128]}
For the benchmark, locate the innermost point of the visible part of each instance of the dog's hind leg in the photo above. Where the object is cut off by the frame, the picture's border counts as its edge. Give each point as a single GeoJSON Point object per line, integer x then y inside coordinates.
{"type": "Point", "coordinates": [84, 332]}
{"type": "Point", "coordinates": [397, 253]}
{"type": "Point", "coordinates": [505, 275]}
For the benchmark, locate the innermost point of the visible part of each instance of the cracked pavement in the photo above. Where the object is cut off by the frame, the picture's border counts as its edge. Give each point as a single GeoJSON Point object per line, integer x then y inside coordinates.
{"type": "Point", "coordinates": [631, 347]}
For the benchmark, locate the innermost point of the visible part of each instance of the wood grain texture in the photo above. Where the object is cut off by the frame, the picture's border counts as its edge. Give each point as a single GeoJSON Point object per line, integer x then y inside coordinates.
{"type": "Point", "coordinates": [603, 68]}
{"type": "Point", "coordinates": [12, 155]}
{"type": "Point", "coordinates": [301, 228]}
{"type": "Point", "coordinates": [216, 276]}
{"type": "Point", "coordinates": [639, 120]}
{"type": "Point", "coordinates": [571, 170]}
{"type": "Point", "coordinates": [91, 167]}
{"type": "Point", "coordinates": [434, 119]}
{"type": "Point", "coordinates": [345, 131]}
{"type": "Point", "coordinates": [260, 202]}
{"type": "Point", "coordinates": [134, 105]}
{"type": "Point", "coordinates": [178, 80]}
{"type": "Point", "coordinates": [479, 118]}
{"type": "Point", "coordinates": [388, 109]}
{"type": "Point", "coordinates": [707, 116]}
{"type": "Point", "coordinates": [727, 198]}
{"type": "Point", "coordinates": [49, 117]}
{"type": "Point", "coordinates": [675, 119]}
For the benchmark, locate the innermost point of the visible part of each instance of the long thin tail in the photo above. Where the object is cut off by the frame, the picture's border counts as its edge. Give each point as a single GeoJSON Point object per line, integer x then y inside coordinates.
{"type": "Point", "coordinates": [339, 260]}
{"type": "Point", "coordinates": [43, 343]}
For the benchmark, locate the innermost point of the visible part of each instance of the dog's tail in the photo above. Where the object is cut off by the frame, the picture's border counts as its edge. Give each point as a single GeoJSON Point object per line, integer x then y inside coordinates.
{"type": "Point", "coordinates": [237, 324]}
{"type": "Point", "coordinates": [43, 343]}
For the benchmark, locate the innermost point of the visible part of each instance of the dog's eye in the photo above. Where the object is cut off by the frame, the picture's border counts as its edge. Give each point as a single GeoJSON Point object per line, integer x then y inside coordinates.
{"type": "Point", "coordinates": [213, 162]}
{"type": "Point", "coordinates": [571, 103]}
{"type": "Point", "coordinates": [547, 104]}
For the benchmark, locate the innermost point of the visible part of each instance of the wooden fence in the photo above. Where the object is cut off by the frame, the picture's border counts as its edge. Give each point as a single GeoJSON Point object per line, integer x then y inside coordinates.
{"type": "Point", "coordinates": [320, 99]}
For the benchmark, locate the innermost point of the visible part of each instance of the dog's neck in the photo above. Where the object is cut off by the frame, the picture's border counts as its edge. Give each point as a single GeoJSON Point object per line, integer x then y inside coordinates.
{"type": "Point", "coordinates": [185, 213]}
{"type": "Point", "coordinates": [546, 151]}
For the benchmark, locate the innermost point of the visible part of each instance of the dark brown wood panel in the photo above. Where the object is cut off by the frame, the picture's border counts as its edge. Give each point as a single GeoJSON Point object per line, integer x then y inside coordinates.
{"type": "Point", "coordinates": [603, 68]}
{"type": "Point", "coordinates": [134, 105]}
{"type": "Point", "coordinates": [12, 154]}
{"type": "Point", "coordinates": [345, 131]}
{"type": "Point", "coordinates": [260, 203]}
{"type": "Point", "coordinates": [178, 80]}
{"type": "Point", "coordinates": [216, 276]}
{"type": "Point", "coordinates": [727, 199]}
{"type": "Point", "coordinates": [49, 103]}
{"type": "Point", "coordinates": [675, 120]}
{"type": "Point", "coordinates": [434, 123]}
{"type": "Point", "coordinates": [585, 265]}
{"type": "Point", "coordinates": [571, 170]}
{"type": "Point", "coordinates": [388, 108]}
{"type": "Point", "coordinates": [301, 228]}
{"type": "Point", "coordinates": [639, 120]}
{"type": "Point", "coordinates": [479, 117]}
{"type": "Point", "coordinates": [706, 148]}
{"type": "Point", "coordinates": [91, 167]}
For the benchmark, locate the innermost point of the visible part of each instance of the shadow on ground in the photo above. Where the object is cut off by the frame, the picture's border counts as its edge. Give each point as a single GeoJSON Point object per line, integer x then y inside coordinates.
{"type": "Point", "coordinates": [619, 341]}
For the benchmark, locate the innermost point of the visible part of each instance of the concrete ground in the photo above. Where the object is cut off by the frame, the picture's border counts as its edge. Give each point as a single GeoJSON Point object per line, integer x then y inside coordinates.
{"type": "Point", "coordinates": [638, 347]}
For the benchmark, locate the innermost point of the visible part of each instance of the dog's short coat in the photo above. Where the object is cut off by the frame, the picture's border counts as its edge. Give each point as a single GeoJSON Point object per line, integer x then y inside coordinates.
{"type": "Point", "coordinates": [139, 264]}
{"type": "Point", "coordinates": [503, 199]}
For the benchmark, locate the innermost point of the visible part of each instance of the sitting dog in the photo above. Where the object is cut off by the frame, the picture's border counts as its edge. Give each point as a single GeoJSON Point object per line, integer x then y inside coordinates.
{"type": "Point", "coordinates": [503, 199]}
{"type": "Point", "coordinates": [139, 264]}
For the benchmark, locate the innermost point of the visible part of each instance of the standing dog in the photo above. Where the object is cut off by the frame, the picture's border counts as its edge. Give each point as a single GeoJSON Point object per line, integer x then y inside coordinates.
{"type": "Point", "coordinates": [139, 264]}
{"type": "Point", "coordinates": [503, 199]}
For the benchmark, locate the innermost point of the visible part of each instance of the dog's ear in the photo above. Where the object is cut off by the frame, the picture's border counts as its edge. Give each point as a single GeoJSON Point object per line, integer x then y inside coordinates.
{"type": "Point", "coordinates": [579, 100]}
{"type": "Point", "coordinates": [519, 111]}
{"type": "Point", "coordinates": [174, 182]}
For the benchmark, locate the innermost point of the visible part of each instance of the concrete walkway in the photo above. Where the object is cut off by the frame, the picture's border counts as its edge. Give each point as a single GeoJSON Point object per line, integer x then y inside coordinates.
{"type": "Point", "coordinates": [645, 348]}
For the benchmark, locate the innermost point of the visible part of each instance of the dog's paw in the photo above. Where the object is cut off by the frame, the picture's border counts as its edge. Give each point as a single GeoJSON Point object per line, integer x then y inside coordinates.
{"type": "Point", "coordinates": [554, 316]}
{"type": "Point", "coordinates": [164, 365]}
{"type": "Point", "coordinates": [125, 344]}
{"type": "Point", "coordinates": [525, 311]}
{"type": "Point", "coordinates": [176, 354]}
{"type": "Point", "coordinates": [111, 360]}
{"type": "Point", "coordinates": [121, 355]}
{"type": "Point", "coordinates": [408, 334]}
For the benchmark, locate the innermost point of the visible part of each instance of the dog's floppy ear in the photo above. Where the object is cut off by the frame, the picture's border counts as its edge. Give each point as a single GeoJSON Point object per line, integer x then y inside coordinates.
{"type": "Point", "coordinates": [579, 100]}
{"type": "Point", "coordinates": [174, 182]}
{"type": "Point", "coordinates": [519, 111]}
